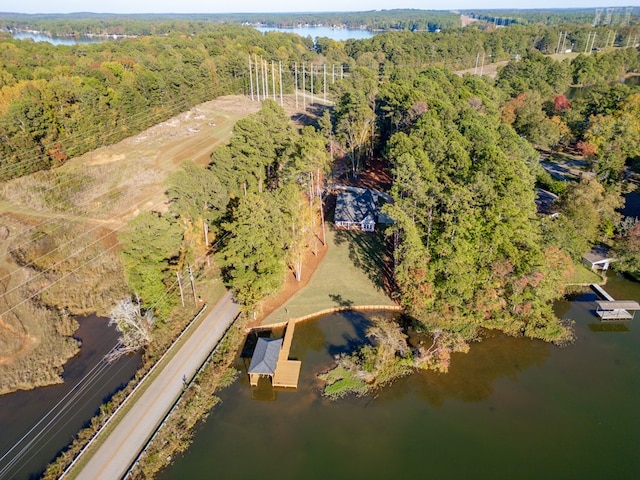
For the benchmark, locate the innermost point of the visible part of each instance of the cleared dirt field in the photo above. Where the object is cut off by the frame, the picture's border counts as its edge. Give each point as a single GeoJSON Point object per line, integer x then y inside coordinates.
{"type": "Point", "coordinates": [85, 203]}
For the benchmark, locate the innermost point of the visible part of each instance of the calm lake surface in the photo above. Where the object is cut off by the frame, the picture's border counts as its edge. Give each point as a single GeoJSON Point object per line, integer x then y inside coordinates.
{"type": "Point", "coordinates": [510, 408]}
{"type": "Point", "coordinates": [35, 425]}
{"type": "Point", "coordinates": [314, 32]}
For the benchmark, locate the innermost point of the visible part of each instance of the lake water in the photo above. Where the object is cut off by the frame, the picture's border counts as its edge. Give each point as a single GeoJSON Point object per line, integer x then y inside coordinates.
{"type": "Point", "coordinates": [42, 37]}
{"type": "Point", "coordinates": [579, 92]}
{"type": "Point", "coordinates": [35, 425]}
{"type": "Point", "coordinates": [510, 408]}
{"type": "Point", "coordinates": [314, 32]}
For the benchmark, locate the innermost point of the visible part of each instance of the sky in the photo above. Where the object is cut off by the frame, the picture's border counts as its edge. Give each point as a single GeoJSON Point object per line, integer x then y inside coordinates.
{"type": "Point", "coordinates": [222, 6]}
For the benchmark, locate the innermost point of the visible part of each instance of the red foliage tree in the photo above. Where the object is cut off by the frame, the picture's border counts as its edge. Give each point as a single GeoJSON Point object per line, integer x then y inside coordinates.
{"type": "Point", "coordinates": [561, 104]}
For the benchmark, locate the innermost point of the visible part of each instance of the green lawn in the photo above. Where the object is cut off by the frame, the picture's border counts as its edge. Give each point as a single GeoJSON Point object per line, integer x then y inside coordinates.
{"type": "Point", "coordinates": [582, 275]}
{"type": "Point", "coordinates": [351, 274]}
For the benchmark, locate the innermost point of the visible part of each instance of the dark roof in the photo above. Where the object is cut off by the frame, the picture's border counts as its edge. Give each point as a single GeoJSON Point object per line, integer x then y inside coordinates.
{"type": "Point", "coordinates": [598, 254]}
{"type": "Point", "coordinates": [265, 356]}
{"type": "Point", "coordinates": [355, 207]}
{"type": "Point", "coordinates": [545, 201]}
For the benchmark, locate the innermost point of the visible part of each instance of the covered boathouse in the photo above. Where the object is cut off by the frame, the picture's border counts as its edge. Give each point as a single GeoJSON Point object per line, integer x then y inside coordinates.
{"type": "Point", "coordinates": [271, 359]}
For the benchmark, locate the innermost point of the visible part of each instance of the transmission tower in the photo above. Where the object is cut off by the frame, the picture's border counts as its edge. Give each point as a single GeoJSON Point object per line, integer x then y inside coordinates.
{"type": "Point", "coordinates": [627, 15]}
{"type": "Point", "coordinates": [610, 12]}
{"type": "Point", "coordinates": [596, 19]}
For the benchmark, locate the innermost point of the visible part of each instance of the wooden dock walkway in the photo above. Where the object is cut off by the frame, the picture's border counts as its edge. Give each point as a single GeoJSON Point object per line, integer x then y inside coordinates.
{"type": "Point", "coordinates": [601, 292]}
{"type": "Point", "coordinates": [287, 371]}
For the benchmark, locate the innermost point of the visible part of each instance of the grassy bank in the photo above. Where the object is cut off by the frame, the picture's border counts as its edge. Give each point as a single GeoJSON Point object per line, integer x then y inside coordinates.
{"type": "Point", "coordinates": [352, 273]}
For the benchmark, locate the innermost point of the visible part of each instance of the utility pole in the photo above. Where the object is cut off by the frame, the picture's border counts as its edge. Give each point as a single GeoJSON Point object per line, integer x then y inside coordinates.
{"type": "Point", "coordinates": [250, 79]}
{"type": "Point", "coordinates": [205, 227]}
{"type": "Point", "coordinates": [311, 74]}
{"type": "Point", "coordinates": [193, 287]}
{"type": "Point", "coordinates": [281, 100]}
{"type": "Point", "coordinates": [586, 47]}
{"type": "Point", "coordinates": [482, 67]}
{"type": "Point", "coordinates": [296, 87]}
{"type": "Point", "coordinates": [324, 82]}
{"type": "Point", "coordinates": [273, 81]}
{"type": "Point", "coordinates": [304, 86]}
{"type": "Point", "coordinates": [180, 286]}
{"type": "Point", "coordinates": [265, 72]}
{"type": "Point", "coordinates": [257, 79]}
{"type": "Point", "coordinates": [475, 70]}
{"type": "Point", "coordinates": [559, 40]}
{"type": "Point", "coordinates": [593, 42]}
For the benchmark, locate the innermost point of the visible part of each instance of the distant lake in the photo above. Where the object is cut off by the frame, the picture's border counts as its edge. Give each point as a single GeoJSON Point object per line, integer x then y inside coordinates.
{"type": "Point", "coordinates": [314, 32]}
{"type": "Point", "coordinates": [43, 37]}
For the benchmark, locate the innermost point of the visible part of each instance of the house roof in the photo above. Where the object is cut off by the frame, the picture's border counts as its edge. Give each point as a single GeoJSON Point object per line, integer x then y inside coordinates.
{"type": "Point", "coordinates": [265, 356]}
{"type": "Point", "coordinates": [598, 254]}
{"type": "Point", "coordinates": [355, 207]}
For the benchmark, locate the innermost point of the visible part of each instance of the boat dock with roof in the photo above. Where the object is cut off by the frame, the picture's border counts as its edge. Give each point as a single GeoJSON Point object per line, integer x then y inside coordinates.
{"type": "Point", "coordinates": [271, 359]}
{"type": "Point", "coordinates": [611, 310]}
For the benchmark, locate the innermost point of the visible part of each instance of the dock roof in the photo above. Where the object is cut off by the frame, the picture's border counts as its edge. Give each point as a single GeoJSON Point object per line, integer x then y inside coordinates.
{"type": "Point", "coordinates": [618, 305]}
{"type": "Point", "coordinates": [265, 356]}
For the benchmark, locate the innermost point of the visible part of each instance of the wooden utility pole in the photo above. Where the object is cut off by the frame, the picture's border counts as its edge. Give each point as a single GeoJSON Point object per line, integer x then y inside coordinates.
{"type": "Point", "coordinates": [281, 100]}
{"type": "Point", "coordinates": [273, 81]}
{"type": "Point", "coordinates": [265, 78]}
{"type": "Point", "coordinates": [193, 287]}
{"type": "Point", "coordinates": [295, 65]}
{"type": "Point", "coordinates": [205, 228]}
{"type": "Point", "coordinates": [324, 82]}
{"type": "Point", "coordinates": [250, 77]}
{"type": "Point", "coordinates": [180, 286]}
{"type": "Point", "coordinates": [257, 79]}
{"type": "Point", "coordinates": [311, 74]}
{"type": "Point", "coordinates": [304, 93]}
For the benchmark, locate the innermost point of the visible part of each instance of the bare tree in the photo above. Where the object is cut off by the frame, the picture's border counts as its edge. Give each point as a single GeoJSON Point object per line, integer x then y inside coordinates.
{"type": "Point", "coordinates": [134, 326]}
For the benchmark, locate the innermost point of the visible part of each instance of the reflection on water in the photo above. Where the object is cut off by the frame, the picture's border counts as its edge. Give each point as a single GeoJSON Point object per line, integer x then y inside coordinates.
{"type": "Point", "coordinates": [510, 408]}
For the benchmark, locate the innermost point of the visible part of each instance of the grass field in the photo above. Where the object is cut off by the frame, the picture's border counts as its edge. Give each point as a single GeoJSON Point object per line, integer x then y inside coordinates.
{"type": "Point", "coordinates": [351, 274]}
{"type": "Point", "coordinates": [583, 276]}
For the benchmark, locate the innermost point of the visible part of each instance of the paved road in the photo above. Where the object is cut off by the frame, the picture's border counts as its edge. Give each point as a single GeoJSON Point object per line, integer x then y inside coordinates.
{"type": "Point", "coordinates": [118, 451]}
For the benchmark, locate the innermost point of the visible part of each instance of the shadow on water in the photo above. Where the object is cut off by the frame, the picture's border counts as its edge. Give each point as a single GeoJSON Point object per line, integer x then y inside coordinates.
{"type": "Point", "coordinates": [352, 339]}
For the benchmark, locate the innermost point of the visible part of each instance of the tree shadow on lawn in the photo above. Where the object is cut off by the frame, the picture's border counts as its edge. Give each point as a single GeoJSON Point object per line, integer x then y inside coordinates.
{"type": "Point", "coordinates": [370, 252]}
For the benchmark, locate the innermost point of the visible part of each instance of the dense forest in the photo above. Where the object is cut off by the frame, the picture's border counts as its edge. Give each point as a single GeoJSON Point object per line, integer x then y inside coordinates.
{"type": "Point", "coordinates": [59, 102]}
{"type": "Point", "coordinates": [470, 250]}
